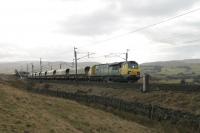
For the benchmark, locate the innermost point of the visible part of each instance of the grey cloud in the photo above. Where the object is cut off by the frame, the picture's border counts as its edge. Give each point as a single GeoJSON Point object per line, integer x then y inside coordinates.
{"type": "Point", "coordinates": [6, 53]}
{"type": "Point", "coordinates": [111, 19]}
{"type": "Point", "coordinates": [185, 52]}
{"type": "Point", "coordinates": [194, 25]}
{"type": "Point", "coordinates": [176, 33]}
{"type": "Point", "coordinates": [155, 7]}
{"type": "Point", "coordinates": [97, 23]}
{"type": "Point", "coordinates": [173, 38]}
{"type": "Point", "coordinates": [184, 44]}
{"type": "Point", "coordinates": [11, 51]}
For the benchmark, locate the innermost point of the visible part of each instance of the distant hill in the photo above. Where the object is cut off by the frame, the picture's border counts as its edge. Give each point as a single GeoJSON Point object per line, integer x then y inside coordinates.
{"type": "Point", "coordinates": [187, 67]}
{"type": "Point", "coordinates": [174, 67]}
{"type": "Point", "coordinates": [9, 67]}
{"type": "Point", "coordinates": [173, 62]}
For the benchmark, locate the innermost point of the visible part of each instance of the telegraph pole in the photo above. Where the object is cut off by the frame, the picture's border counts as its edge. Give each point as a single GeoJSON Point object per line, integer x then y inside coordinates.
{"type": "Point", "coordinates": [32, 66]}
{"type": "Point", "coordinates": [75, 57]}
{"type": "Point", "coordinates": [40, 64]}
{"type": "Point", "coordinates": [27, 68]}
{"type": "Point", "coordinates": [127, 54]}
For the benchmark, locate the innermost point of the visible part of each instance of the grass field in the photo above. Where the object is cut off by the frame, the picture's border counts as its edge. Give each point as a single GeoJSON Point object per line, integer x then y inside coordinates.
{"type": "Point", "coordinates": [173, 73]}
{"type": "Point", "coordinates": [189, 102]}
{"type": "Point", "coordinates": [22, 112]}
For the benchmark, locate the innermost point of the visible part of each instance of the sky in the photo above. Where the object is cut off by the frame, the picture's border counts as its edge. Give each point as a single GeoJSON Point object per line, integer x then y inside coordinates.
{"type": "Point", "coordinates": [50, 29]}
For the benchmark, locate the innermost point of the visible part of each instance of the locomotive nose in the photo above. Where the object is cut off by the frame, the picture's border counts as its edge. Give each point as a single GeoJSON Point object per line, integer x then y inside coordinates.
{"type": "Point", "coordinates": [138, 73]}
{"type": "Point", "coordinates": [134, 73]}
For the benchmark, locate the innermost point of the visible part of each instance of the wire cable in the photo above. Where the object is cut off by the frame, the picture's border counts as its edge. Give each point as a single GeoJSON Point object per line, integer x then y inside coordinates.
{"type": "Point", "coordinates": [147, 26]}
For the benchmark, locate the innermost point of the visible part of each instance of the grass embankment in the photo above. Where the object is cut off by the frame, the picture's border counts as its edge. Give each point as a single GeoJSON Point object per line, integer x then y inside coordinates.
{"type": "Point", "coordinates": [22, 112]}
{"type": "Point", "coordinates": [185, 101]}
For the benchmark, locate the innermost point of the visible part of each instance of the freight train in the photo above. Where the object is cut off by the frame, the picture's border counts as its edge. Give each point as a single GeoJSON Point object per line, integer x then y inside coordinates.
{"type": "Point", "coordinates": [119, 71]}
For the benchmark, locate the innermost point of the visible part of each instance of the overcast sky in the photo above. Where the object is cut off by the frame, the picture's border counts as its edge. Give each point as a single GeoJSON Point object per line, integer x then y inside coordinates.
{"type": "Point", "coordinates": [30, 29]}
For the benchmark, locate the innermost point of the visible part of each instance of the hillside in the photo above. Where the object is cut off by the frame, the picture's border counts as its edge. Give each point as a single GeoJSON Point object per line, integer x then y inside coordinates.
{"type": "Point", "coordinates": [173, 62]}
{"type": "Point", "coordinates": [174, 70]}
{"type": "Point", "coordinates": [23, 112]}
{"type": "Point", "coordinates": [9, 67]}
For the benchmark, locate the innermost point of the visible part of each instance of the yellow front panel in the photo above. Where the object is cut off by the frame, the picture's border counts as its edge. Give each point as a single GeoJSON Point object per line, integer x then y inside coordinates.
{"type": "Point", "coordinates": [92, 71]}
{"type": "Point", "coordinates": [124, 69]}
{"type": "Point", "coordinates": [135, 72]}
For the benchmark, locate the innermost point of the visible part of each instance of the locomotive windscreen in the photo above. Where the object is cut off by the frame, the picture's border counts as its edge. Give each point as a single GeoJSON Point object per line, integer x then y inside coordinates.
{"type": "Point", "coordinates": [133, 64]}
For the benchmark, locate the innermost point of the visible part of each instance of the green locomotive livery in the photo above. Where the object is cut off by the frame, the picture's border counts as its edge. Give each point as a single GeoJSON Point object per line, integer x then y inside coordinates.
{"type": "Point", "coordinates": [116, 71]}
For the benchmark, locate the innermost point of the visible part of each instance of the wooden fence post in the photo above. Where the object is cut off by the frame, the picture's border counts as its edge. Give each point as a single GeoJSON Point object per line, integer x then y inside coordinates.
{"type": "Point", "coordinates": [146, 78]}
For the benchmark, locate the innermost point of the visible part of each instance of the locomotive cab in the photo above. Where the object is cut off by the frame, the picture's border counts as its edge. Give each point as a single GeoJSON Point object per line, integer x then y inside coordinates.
{"type": "Point", "coordinates": [130, 70]}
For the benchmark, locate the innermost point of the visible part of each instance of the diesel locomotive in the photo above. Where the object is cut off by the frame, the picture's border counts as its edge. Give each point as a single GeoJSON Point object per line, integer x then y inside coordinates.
{"type": "Point", "coordinates": [119, 71]}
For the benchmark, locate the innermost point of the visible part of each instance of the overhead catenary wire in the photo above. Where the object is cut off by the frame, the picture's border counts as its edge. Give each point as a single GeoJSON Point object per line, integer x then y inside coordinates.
{"type": "Point", "coordinates": [111, 55]}
{"type": "Point", "coordinates": [145, 27]}
{"type": "Point", "coordinates": [138, 29]}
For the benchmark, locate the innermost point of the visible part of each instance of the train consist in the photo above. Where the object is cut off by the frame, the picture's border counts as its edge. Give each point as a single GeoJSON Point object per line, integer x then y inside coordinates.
{"type": "Point", "coordinates": [120, 71]}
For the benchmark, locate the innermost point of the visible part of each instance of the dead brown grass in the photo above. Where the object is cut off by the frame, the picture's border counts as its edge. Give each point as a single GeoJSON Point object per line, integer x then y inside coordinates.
{"type": "Point", "coordinates": [22, 112]}
{"type": "Point", "coordinates": [189, 102]}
